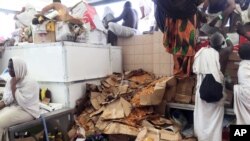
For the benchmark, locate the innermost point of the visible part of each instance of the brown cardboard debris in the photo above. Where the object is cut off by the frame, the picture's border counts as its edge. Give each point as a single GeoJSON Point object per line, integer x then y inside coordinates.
{"type": "Point", "coordinates": [116, 110]}
{"type": "Point", "coordinates": [97, 112]}
{"type": "Point", "coordinates": [146, 123]}
{"type": "Point", "coordinates": [142, 79]}
{"type": "Point", "coordinates": [136, 116]}
{"type": "Point", "coordinates": [142, 134]}
{"type": "Point", "coordinates": [118, 128]}
{"type": "Point", "coordinates": [183, 98]}
{"type": "Point", "coordinates": [133, 85]}
{"type": "Point", "coordinates": [161, 121]}
{"type": "Point", "coordinates": [111, 81]}
{"type": "Point", "coordinates": [185, 86]}
{"type": "Point", "coordinates": [85, 122]}
{"type": "Point", "coordinates": [156, 97]}
{"type": "Point", "coordinates": [148, 134]}
{"type": "Point", "coordinates": [123, 89]}
{"type": "Point", "coordinates": [97, 99]}
{"type": "Point", "coordinates": [169, 135]}
{"type": "Point", "coordinates": [151, 94]}
{"type": "Point", "coordinates": [101, 124]}
{"type": "Point", "coordinates": [111, 110]}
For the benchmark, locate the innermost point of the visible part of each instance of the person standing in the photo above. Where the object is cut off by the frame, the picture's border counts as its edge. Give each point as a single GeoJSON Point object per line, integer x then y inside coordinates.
{"type": "Point", "coordinates": [179, 33]}
{"type": "Point", "coordinates": [242, 89]}
{"type": "Point", "coordinates": [210, 61]}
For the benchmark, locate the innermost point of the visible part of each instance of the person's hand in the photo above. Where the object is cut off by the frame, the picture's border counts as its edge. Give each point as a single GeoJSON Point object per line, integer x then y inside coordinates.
{"type": "Point", "coordinates": [214, 21]}
{"type": "Point", "coordinates": [240, 29]}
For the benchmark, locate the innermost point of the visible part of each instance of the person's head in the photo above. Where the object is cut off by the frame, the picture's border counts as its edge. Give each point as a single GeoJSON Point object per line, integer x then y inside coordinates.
{"type": "Point", "coordinates": [17, 68]}
{"type": "Point", "coordinates": [57, 1]}
{"type": "Point", "coordinates": [244, 51]}
{"type": "Point", "coordinates": [127, 4]}
{"type": "Point", "coordinates": [216, 41]}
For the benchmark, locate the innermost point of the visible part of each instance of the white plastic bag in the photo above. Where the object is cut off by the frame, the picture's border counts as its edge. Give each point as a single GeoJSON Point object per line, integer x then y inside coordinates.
{"type": "Point", "coordinates": [121, 31]}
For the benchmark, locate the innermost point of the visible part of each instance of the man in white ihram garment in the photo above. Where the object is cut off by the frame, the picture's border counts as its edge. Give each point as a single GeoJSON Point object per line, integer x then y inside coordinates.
{"type": "Point", "coordinates": [20, 101]}
{"type": "Point", "coordinates": [208, 117]}
{"type": "Point", "coordinates": [242, 90]}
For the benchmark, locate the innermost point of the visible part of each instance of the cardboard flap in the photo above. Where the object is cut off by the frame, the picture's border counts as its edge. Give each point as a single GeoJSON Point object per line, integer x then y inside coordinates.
{"type": "Point", "coordinates": [117, 128]}
{"type": "Point", "coordinates": [97, 112]}
{"type": "Point", "coordinates": [96, 99]}
{"type": "Point", "coordinates": [169, 135]}
{"type": "Point", "coordinates": [117, 109]}
{"type": "Point", "coordinates": [101, 125]}
{"type": "Point", "coordinates": [156, 97]}
{"type": "Point", "coordinates": [142, 134]}
{"type": "Point", "coordinates": [127, 107]}
{"type": "Point", "coordinates": [113, 111]}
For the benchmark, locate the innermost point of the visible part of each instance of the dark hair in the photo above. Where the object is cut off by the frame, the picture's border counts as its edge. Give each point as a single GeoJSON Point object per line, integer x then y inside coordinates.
{"type": "Point", "coordinates": [128, 4]}
{"type": "Point", "coordinates": [57, 1]}
{"type": "Point", "coordinates": [244, 51]}
{"type": "Point", "coordinates": [216, 41]}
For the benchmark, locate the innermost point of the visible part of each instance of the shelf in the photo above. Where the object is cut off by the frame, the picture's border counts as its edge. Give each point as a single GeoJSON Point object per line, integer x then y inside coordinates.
{"type": "Point", "coordinates": [190, 107]}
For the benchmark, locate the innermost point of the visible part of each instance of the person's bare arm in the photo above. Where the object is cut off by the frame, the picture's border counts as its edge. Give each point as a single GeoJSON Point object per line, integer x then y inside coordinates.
{"type": "Point", "coordinates": [2, 105]}
{"type": "Point", "coordinates": [205, 5]}
{"type": "Point", "coordinates": [242, 31]}
{"type": "Point", "coordinates": [225, 52]}
{"type": "Point", "coordinates": [47, 8]}
{"type": "Point", "coordinates": [13, 83]}
{"type": "Point", "coordinates": [123, 14]}
{"type": "Point", "coordinates": [142, 12]}
{"type": "Point", "coordinates": [230, 8]}
{"type": "Point", "coordinates": [225, 14]}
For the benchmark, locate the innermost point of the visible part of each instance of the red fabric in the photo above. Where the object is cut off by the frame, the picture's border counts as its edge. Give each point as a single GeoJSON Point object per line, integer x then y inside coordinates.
{"type": "Point", "coordinates": [88, 16]}
{"type": "Point", "coordinates": [201, 44]}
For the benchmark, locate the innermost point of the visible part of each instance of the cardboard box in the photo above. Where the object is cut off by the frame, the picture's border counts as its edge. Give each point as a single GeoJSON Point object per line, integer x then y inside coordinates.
{"type": "Point", "coordinates": [44, 37]}
{"type": "Point", "coordinates": [183, 98]}
{"type": "Point", "coordinates": [63, 32]}
{"type": "Point", "coordinates": [185, 86]}
{"type": "Point", "coordinates": [44, 33]}
{"type": "Point", "coordinates": [92, 37]}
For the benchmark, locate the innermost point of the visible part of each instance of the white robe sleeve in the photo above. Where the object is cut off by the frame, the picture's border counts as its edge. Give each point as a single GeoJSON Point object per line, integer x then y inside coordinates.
{"type": "Point", "coordinates": [7, 95]}
{"type": "Point", "coordinates": [27, 96]}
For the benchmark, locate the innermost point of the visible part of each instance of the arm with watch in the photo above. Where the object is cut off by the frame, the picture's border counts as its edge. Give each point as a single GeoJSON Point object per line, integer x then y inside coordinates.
{"type": "Point", "coordinates": [225, 52]}
{"type": "Point", "coordinates": [225, 14]}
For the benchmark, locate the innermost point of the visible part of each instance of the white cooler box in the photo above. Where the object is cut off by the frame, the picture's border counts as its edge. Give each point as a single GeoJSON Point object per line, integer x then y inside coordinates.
{"type": "Point", "coordinates": [66, 61]}
{"type": "Point", "coordinates": [67, 93]}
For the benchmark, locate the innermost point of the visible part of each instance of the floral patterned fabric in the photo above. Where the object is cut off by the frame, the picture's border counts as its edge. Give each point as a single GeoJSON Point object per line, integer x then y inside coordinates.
{"type": "Point", "coordinates": [179, 40]}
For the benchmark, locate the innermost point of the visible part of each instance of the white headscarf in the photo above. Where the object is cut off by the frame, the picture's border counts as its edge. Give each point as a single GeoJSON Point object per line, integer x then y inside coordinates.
{"type": "Point", "coordinates": [107, 10]}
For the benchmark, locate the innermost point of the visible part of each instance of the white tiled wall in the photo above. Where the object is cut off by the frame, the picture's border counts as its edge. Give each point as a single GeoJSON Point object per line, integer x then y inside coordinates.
{"type": "Point", "coordinates": [146, 52]}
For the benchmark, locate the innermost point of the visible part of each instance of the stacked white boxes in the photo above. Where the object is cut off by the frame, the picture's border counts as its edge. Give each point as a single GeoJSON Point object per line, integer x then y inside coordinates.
{"type": "Point", "coordinates": [65, 67]}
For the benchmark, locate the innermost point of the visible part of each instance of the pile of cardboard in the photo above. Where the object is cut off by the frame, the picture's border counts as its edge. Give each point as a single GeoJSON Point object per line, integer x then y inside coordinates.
{"type": "Point", "coordinates": [128, 104]}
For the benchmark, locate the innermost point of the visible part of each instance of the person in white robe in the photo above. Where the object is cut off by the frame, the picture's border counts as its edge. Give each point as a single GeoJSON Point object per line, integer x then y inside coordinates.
{"type": "Point", "coordinates": [208, 117]}
{"type": "Point", "coordinates": [20, 101]}
{"type": "Point", "coordinates": [242, 90]}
